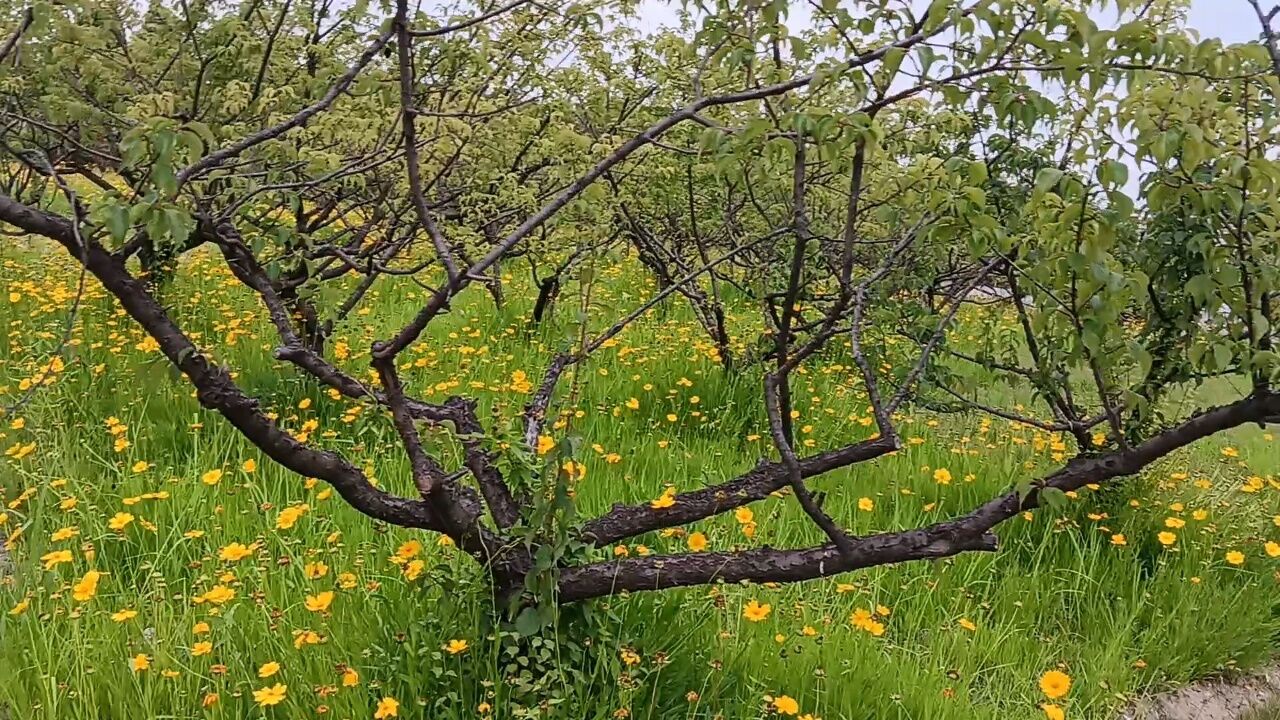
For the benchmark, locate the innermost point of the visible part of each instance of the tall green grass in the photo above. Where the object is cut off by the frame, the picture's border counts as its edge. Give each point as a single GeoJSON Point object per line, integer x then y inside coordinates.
{"type": "Point", "coordinates": [1119, 619]}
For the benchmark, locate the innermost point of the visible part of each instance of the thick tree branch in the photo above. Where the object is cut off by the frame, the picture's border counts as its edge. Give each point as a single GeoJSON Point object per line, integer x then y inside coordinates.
{"type": "Point", "coordinates": [965, 533]}
{"type": "Point", "coordinates": [28, 17]}
{"type": "Point", "coordinates": [214, 387]}
{"type": "Point", "coordinates": [627, 521]}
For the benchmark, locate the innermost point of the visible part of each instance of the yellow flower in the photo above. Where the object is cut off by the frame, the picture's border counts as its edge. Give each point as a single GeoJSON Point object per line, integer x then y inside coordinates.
{"type": "Point", "coordinates": [84, 590]}
{"type": "Point", "coordinates": [1167, 538]}
{"type": "Point", "coordinates": [249, 465]}
{"type": "Point", "coordinates": [141, 466]}
{"type": "Point", "coordinates": [1273, 549]}
{"type": "Point", "coordinates": [387, 707]}
{"type": "Point", "coordinates": [1055, 683]}
{"type": "Point", "coordinates": [409, 549]}
{"type": "Point", "coordinates": [306, 403]}
{"type": "Point", "coordinates": [786, 705]}
{"type": "Point", "coordinates": [273, 695]}
{"type": "Point", "coordinates": [633, 404]}
{"type": "Point", "coordinates": [665, 500]}
{"type": "Point", "coordinates": [1053, 712]}
{"type": "Point", "coordinates": [209, 700]}
{"type": "Point", "coordinates": [863, 620]}
{"type": "Point", "coordinates": [545, 444]}
{"type": "Point", "coordinates": [213, 477]}
{"type": "Point", "coordinates": [235, 552]}
{"type": "Point", "coordinates": [289, 516]}
{"type": "Point", "coordinates": [124, 615]}
{"type": "Point", "coordinates": [743, 515]}
{"type": "Point", "coordinates": [350, 678]}
{"type": "Point", "coordinates": [201, 648]}
{"type": "Point", "coordinates": [942, 476]}
{"type": "Point", "coordinates": [413, 569]}
{"type": "Point", "coordinates": [217, 595]}
{"type": "Point", "coordinates": [755, 612]}
{"type": "Point", "coordinates": [456, 646]}
{"type": "Point", "coordinates": [269, 669]}
{"type": "Point", "coordinates": [120, 521]}
{"type": "Point", "coordinates": [1119, 539]}
{"type": "Point", "coordinates": [574, 470]}
{"type": "Point", "coordinates": [306, 637]}
{"type": "Point", "coordinates": [866, 504]}
{"type": "Point", "coordinates": [21, 607]}
{"type": "Point", "coordinates": [315, 570]}
{"type": "Point", "coordinates": [200, 628]}
{"type": "Point", "coordinates": [139, 663]}
{"type": "Point", "coordinates": [968, 624]}
{"type": "Point", "coordinates": [1235, 557]}
{"type": "Point", "coordinates": [65, 533]}
{"type": "Point", "coordinates": [697, 542]}
{"type": "Point", "coordinates": [55, 558]}
{"type": "Point", "coordinates": [320, 602]}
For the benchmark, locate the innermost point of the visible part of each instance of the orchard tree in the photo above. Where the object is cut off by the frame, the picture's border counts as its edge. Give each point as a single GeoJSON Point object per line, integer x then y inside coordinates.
{"type": "Point", "coordinates": [1117, 185]}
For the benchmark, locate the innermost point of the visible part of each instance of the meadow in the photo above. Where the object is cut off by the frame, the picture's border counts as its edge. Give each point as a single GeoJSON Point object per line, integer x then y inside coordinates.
{"type": "Point", "coordinates": [230, 588]}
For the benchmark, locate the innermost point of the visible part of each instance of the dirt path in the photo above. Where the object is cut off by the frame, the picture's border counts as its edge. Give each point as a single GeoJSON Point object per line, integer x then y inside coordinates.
{"type": "Point", "coordinates": [1220, 699]}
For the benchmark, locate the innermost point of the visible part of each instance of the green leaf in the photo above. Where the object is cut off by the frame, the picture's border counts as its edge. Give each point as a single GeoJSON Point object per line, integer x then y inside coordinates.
{"type": "Point", "coordinates": [528, 622]}
{"type": "Point", "coordinates": [710, 139]}
{"type": "Point", "coordinates": [1047, 179]}
{"type": "Point", "coordinates": [1222, 356]}
{"type": "Point", "coordinates": [117, 222]}
{"type": "Point", "coordinates": [1052, 497]}
{"type": "Point", "coordinates": [938, 12]}
{"type": "Point", "coordinates": [1024, 489]}
{"type": "Point", "coordinates": [1113, 173]}
{"type": "Point", "coordinates": [892, 62]}
{"type": "Point", "coordinates": [1141, 357]}
{"type": "Point", "coordinates": [978, 172]}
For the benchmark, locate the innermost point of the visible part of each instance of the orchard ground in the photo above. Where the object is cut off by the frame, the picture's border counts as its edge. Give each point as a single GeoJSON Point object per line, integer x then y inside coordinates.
{"type": "Point", "coordinates": [230, 588]}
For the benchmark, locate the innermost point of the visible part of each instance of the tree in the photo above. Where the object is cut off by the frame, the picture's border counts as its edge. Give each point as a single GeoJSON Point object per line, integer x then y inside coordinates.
{"type": "Point", "coordinates": [843, 172]}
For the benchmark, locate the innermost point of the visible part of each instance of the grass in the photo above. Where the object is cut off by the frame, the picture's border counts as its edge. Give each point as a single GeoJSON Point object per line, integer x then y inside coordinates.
{"type": "Point", "coordinates": [964, 638]}
{"type": "Point", "coordinates": [1270, 711]}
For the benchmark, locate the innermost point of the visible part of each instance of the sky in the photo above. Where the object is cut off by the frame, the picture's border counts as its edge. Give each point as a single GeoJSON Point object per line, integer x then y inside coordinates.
{"type": "Point", "coordinates": [1230, 20]}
